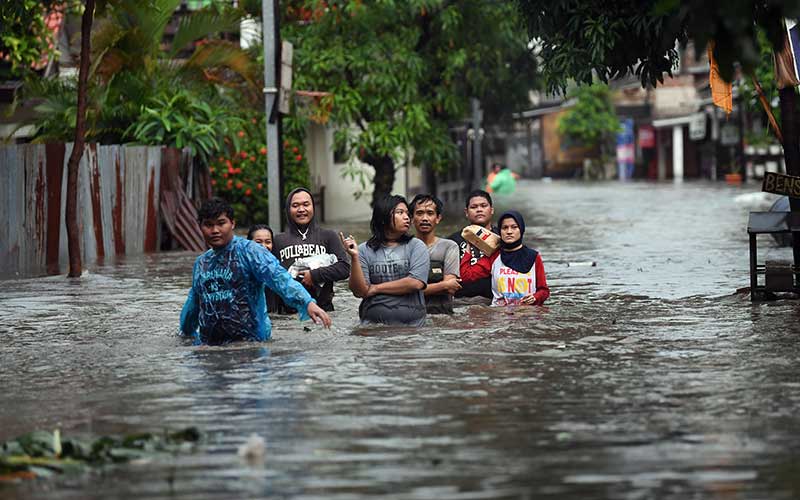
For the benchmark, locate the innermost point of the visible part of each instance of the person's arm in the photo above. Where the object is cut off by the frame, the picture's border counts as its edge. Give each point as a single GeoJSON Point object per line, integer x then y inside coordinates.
{"type": "Point", "coordinates": [481, 269]}
{"type": "Point", "coordinates": [542, 290]}
{"type": "Point", "coordinates": [450, 283]}
{"type": "Point", "coordinates": [358, 282]}
{"type": "Point", "coordinates": [403, 286]}
{"type": "Point", "coordinates": [269, 271]}
{"type": "Point", "coordinates": [190, 315]}
{"type": "Point", "coordinates": [191, 310]}
{"type": "Point", "coordinates": [334, 272]}
{"type": "Point", "coordinates": [419, 265]}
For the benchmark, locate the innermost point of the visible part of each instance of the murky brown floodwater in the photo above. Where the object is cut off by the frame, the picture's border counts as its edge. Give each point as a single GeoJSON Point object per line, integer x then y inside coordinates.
{"type": "Point", "coordinates": [645, 377]}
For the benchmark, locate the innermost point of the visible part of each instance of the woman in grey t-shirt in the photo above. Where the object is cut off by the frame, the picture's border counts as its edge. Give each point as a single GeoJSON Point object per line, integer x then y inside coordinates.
{"type": "Point", "coordinates": [394, 267]}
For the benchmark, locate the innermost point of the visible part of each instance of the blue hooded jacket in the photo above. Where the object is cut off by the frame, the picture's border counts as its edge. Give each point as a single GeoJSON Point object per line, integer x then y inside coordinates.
{"type": "Point", "coordinates": [226, 301]}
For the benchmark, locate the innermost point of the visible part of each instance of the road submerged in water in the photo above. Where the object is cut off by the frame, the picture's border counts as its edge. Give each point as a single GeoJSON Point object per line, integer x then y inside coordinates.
{"type": "Point", "coordinates": [645, 376]}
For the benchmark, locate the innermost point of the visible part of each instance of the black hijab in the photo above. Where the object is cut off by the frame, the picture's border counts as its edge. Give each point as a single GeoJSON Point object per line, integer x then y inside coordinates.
{"type": "Point", "coordinates": [520, 260]}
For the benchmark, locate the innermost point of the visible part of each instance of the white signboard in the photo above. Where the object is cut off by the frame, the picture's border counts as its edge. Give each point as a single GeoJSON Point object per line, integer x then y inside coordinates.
{"type": "Point", "coordinates": [729, 134]}
{"type": "Point", "coordinates": [697, 127]}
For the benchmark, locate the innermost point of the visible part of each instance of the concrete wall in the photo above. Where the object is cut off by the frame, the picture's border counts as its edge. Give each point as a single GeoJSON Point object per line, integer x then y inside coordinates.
{"type": "Point", "coordinates": [340, 190]}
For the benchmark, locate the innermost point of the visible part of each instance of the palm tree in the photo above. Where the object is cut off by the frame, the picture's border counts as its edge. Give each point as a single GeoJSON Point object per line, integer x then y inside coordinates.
{"type": "Point", "coordinates": [131, 68]}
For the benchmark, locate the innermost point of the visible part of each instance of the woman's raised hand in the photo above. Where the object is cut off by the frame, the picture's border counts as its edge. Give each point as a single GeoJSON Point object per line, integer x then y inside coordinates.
{"type": "Point", "coordinates": [350, 245]}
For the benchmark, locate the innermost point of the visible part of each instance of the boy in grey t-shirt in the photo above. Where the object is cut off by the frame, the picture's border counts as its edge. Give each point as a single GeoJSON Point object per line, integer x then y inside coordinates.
{"type": "Point", "coordinates": [443, 279]}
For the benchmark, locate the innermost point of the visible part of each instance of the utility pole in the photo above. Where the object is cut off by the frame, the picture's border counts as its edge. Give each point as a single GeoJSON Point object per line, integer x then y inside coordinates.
{"type": "Point", "coordinates": [477, 154]}
{"type": "Point", "coordinates": [272, 43]}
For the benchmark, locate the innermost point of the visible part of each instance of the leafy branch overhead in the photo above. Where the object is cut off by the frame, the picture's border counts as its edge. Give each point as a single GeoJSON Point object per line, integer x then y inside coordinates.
{"type": "Point", "coordinates": [591, 120]}
{"type": "Point", "coordinates": [583, 38]}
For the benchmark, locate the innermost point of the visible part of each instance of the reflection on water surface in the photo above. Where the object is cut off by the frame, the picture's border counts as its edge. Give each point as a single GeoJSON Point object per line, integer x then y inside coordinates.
{"type": "Point", "coordinates": [645, 376]}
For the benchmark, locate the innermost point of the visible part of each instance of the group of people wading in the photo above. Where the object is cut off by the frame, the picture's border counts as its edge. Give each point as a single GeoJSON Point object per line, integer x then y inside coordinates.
{"type": "Point", "coordinates": [400, 278]}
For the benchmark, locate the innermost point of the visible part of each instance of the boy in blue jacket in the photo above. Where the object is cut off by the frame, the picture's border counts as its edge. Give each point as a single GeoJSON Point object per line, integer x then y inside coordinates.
{"type": "Point", "coordinates": [226, 302]}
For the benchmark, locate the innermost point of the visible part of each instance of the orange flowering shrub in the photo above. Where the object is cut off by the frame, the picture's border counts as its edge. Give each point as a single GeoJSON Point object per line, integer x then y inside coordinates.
{"type": "Point", "coordinates": [240, 176]}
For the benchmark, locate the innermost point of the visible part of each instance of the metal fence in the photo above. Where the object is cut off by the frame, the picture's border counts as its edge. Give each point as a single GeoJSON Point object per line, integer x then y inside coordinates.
{"type": "Point", "coordinates": [119, 193]}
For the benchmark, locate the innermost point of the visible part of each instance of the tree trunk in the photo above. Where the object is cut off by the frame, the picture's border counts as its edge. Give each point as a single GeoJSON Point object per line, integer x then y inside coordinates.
{"type": "Point", "coordinates": [384, 175]}
{"type": "Point", "coordinates": [71, 213]}
{"type": "Point", "coordinates": [791, 154]}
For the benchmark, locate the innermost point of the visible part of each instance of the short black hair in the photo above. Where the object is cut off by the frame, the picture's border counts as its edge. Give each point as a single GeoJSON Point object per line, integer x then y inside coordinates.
{"type": "Point", "coordinates": [259, 227]}
{"type": "Point", "coordinates": [213, 208]}
{"type": "Point", "coordinates": [481, 193]}
{"type": "Point", "coordinates": [424, 198]}
{"type": "Point", "coordinates": [382, 213]}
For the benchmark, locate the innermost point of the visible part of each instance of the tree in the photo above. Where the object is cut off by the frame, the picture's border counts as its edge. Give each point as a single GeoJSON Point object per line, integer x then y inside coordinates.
{"type": "Point", "coordinates": [138, 91]}
{"type": "Point", "coordinates": [583, 38]}
{"type": "Point", "coordinates": [71, 211]}
{"type": "Point", "coordinates": [592, 119]}
{"type": "Point", "coordinates": [399, 73]}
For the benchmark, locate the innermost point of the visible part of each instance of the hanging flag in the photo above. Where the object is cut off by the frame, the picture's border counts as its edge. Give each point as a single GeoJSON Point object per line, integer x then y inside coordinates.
{"type": "Point", "coordinates": [721, 91]}
{"type": "Point", "coordinates": [787, 71]}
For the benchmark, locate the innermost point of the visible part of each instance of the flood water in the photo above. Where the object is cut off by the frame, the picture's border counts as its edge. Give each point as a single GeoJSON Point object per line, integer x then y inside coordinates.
{"type": "Point", "coordinates": [645, 376]}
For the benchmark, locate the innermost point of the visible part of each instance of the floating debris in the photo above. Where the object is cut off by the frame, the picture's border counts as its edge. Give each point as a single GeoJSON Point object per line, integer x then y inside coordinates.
{"type": "Point", "coordinates": [253, 450]}
{"type": "Point", "coordinates": [43, 454]}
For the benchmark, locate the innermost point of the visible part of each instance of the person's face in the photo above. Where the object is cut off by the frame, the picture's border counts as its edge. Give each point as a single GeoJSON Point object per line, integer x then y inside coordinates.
{"type": "Point", "coordinates": [401, 220]}
{"type": "Point", "coordinates": [509, 230]}
{"type": "Point", "coordinates": [218, 232]}
{"type": "Point", "coordinates": [479, 211]}
{"type": "Point", "coordinates": [301, 208]}
{"type": "Point", "coordinates": [263, 238]}
{"type": "Point", "coordinates": [425, 218]}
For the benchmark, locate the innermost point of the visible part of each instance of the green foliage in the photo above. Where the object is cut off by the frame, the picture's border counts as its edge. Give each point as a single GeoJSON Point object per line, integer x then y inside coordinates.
{"type": "Point", "coordinates": [58, 110]}
{"type": "Point", "coordinates": [240, 175]}
{"type": "Point", "coordinates": [583, 38]}
{"type": "Point", "coordinates": [765, 74]}
{"type": "Point", "coordinates": [401, 72]}
{"type": "Point", "coordinates": [180, 119]}
{"type": "Point", "coordinates": [138, 93]}
{"type": "Point", "coordinates": [591, 121]}
{"type": "Point", "coordinates": [24, 37]}
{"type": "Point", "coordinates": [209, 102]}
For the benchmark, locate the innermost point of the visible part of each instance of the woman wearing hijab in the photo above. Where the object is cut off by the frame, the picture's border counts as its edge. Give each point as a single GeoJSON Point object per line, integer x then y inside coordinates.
{"type": "Point", "coordinates": [517, 272]}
